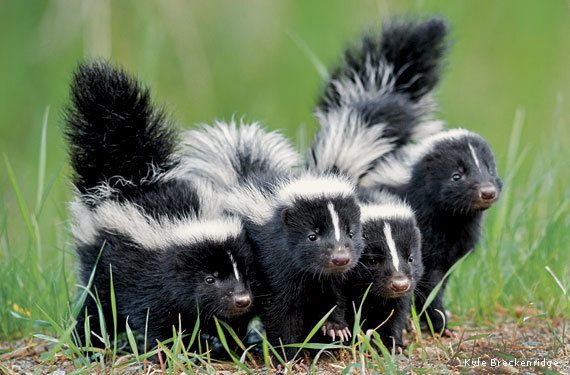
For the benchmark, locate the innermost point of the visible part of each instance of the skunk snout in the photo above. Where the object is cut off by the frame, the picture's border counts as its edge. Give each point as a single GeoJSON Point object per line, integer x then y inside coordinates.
{"type": "Point", "coordinates": [486, 195]}
{"type": "Point", "coordinates": [341, 258]}
{"type": "Point", "coordinates": [488, 192]}
{"type": "Point", "coordinates": [242, 301]}
{"type": "Point", "coordinates": [400, 284]}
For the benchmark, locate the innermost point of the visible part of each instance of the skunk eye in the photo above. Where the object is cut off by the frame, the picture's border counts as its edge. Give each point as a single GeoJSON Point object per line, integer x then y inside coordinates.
{"type": "Point", "coordinates": [210, 280]}
{"type": "Point", "coordinates": [411, 259]}
{"type": "Point", "coordinates": [456, 176]}
{"type": "Point", "coordinates": [491, 171]}
{"type": "Point", "coordinates": [364, 236]}
{"type": "Point", "coordinates": [371, 261]}
{"type": "Point", "coordinates": [312, 237]}
{"type": "Point", "coordinates": [350, 234]}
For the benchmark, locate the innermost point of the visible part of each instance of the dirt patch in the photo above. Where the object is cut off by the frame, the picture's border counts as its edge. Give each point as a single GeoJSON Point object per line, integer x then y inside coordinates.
{"type": "Point", "coordinates": [533, 345]}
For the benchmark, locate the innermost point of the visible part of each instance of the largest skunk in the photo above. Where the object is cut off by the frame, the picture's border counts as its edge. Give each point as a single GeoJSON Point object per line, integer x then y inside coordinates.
{"type": "Point", "coordinates": [306, 226]}
{"type": "Point", "coordinates": [159, 241]}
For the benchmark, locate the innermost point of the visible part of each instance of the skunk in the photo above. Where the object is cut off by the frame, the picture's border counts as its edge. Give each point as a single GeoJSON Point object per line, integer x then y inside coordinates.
{"type": "Point", "coordinates": [449, 179]}
{"type": "Point", "coordinates": [170, 254]}
{"type": "Point", "coordinates": [306, 226]}
{"type": "Point", "coordinates": [377, 101]}
{"type": "Point", "coordinates": [391, 266]}
{"type": "Point", "coordinates": [379, 98]}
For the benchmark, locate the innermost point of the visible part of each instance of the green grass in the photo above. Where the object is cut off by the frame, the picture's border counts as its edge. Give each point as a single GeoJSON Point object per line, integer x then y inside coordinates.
{"type": "Point", "coordinates": [507, 78]}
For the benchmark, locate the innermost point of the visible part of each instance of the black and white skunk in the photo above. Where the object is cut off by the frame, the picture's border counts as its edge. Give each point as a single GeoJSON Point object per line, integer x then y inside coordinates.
{"type": "Point", "coordinates": [158, 240]}
{"type": "Point", "coordinates": [306, 226]}
{"type": "Point", "coordinates": [375, 102]}
{"type": "Point", "coordinates": [449, 179]}
{"type": "Point", "coordinates": [391, 266]}
{"type": "Point", "coordinates": [379, 98]}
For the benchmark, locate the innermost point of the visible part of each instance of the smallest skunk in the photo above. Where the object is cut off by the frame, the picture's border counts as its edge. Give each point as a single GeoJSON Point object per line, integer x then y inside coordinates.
{"type": "Point", "coordinates": [158, 240]}
{"type": "Point", "coordinates": [391, 266]}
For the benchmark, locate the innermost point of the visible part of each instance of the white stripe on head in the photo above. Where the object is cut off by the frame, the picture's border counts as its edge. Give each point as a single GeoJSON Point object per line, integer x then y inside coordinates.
{"type": "Point", "coordinates": [474, 155]}
{"type": "Point", "coordinates": [335, 221]}
{"type": "Point", "coordinates": [234, 264]}
{"type": "Point", "coordinates": [391, 246]}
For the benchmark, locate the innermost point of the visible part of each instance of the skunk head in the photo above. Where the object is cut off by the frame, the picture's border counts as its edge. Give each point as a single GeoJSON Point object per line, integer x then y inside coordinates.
{"type": "Point", "coordinates": [217, 273]}
{"type": "Point", "coordinates": [392, 258]}
{"type": "Point", "coordinates": [459, 171]}
{"type": "Point", "coordinates": [321, 220]}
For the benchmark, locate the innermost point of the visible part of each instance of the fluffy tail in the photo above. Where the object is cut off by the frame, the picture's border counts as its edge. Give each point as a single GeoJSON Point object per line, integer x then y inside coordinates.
{"type": "Point", "coordinates": [377, 100]}
{"type": "Point", "coordinates": [226, 155]}
{"type": "Point", "coordinates": [405, 59]}
{"type": "Point", "coordinates": [113, 130]}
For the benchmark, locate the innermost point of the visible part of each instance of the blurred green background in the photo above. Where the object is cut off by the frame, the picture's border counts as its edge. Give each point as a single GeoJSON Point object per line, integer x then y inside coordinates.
{"type": "Point", "coordinates": [214, 59]}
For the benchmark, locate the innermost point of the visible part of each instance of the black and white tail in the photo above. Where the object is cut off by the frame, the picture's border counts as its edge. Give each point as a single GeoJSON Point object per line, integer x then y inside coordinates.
{"type": "Point", "coordinates": [228, 154]}
{"type": "Point", "coordinates": [378, 99]}
{"type": "Point", "coordinates": [115, 134]}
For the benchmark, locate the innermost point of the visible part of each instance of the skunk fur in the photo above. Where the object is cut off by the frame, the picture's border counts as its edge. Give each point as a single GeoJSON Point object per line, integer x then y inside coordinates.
{"type": "Point", "coordinates": [391, 265]}
{"type": "Point", "coordinates": [378, 99]}
{"type": "Point", "coordinates": [306, 227]}
{"type": "Point", "coordinates": [449, 179]}
{"type": "Point", "coordinates": [167, 250]}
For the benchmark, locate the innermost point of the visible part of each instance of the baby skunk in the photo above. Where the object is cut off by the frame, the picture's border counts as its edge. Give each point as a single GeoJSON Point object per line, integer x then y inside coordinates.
{"type": "Point", "coordinates": [306, 227]}
{"type": "Point", "coordinates": [378, 99]}
{"type": "Point", "coordinates": [391, 265]}
{"type": "Point", "coordinates": [449, 179]}
{"type": "Point", "coordinates": [156, 237]}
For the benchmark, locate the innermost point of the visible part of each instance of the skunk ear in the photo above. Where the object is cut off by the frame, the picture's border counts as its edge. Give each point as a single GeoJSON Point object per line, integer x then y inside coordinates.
{"type": "Point", "coordinates": [286, 216]}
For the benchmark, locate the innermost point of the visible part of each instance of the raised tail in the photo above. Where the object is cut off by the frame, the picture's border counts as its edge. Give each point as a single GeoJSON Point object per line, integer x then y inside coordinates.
{"type": "Point", "coordinates": [228, 154]}
{"type": "Point", "coordinates": [116, 136]}
{"type": "Point", "coordinates": [377, 100]}
{"type": "Point", "coordinates": [406, 58]}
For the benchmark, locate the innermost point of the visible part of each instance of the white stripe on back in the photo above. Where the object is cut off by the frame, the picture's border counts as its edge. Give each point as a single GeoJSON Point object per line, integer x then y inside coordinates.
{"type": "Point", "coordinates": [391, 246]}
{"type": "Point", "coordinates": [474, 155]}
{"type": "Point", "coordinates": [334, 217]}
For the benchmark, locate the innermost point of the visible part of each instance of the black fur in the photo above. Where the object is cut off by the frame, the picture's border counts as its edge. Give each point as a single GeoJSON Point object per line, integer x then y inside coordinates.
{"type": "Point", "coordinates": [168, 284]}
{"type": "Point", "coordinates": [300, 283]}
{"type": "Point", "coordinates": [114, 132]}
{"type": "Point", "coordinates": [449, 213]}
{"type": "Point", "coordinates": [413, 49]}
{"type": "Point", "coordinates": [385, 309]}
{"type": "Point", "coordinates": [110, 116]}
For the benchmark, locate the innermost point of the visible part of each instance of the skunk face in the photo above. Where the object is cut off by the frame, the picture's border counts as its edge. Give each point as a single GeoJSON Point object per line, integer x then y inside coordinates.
{"type": "Point", "coordinates": [215, 276]}
{"type": "Point", "coordinates": [461, 175]}
{"type": "Point", "coordinates": [392, 258]}
{"type": "Point", "coordinates": [324, 234]}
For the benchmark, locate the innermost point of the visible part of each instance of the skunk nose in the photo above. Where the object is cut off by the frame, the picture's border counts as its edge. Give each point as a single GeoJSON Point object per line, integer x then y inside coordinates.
{"type": "Point", "coordinates": [488, 192]}
{"type": "Point", "coordinates": [241, 301]}
{"type": "Point", "coordinates": [340, 259]}
{"type": "Point", "coordinates": [400, 284]}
